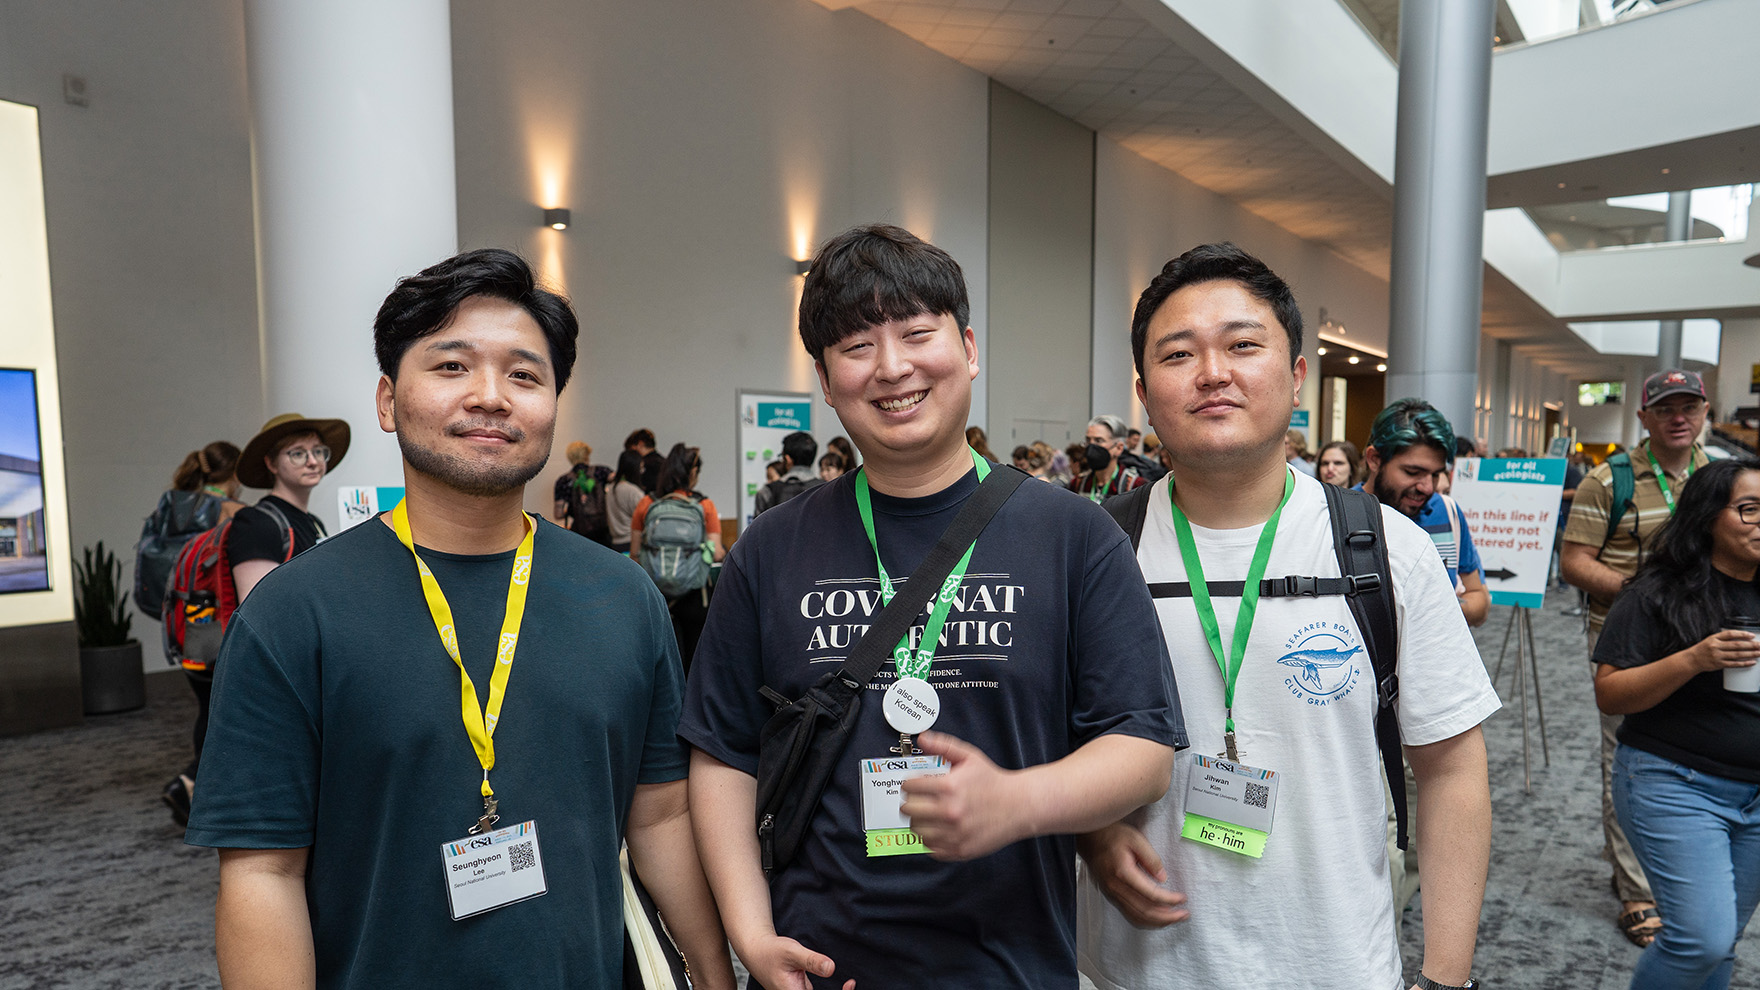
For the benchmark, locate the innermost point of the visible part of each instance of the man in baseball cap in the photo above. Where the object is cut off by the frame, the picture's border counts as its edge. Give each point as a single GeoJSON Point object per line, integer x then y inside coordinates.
{"type": "Point", "coordinates": [1616, 512]}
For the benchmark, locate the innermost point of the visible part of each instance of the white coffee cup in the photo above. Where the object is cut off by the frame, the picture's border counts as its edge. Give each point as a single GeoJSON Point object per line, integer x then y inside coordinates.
{"type": "Point", "coordinates": [1743, 679]}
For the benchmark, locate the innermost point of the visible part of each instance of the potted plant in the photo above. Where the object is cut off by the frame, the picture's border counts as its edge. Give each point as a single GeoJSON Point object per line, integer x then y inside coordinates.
{"type": "Point", "coordinates": [111, 679]}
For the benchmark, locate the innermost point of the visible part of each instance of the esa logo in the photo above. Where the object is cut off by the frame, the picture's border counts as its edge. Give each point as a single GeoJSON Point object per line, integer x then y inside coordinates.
{"type": "Point", "coordinates": [1321, 658]}
{"type": "Point", "coordinates": [480, 842]}
{"type": "Point", "coordinates": [882, 765]}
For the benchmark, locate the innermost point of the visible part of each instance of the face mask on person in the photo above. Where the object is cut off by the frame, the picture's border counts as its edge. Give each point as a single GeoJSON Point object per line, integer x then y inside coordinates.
{"type": "Point", "coordinates": [1097, 457]}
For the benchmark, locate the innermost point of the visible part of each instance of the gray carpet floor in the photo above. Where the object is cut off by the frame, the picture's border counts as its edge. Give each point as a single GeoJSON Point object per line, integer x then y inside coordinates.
{"type": "Point", "coordinates": [98, 891]}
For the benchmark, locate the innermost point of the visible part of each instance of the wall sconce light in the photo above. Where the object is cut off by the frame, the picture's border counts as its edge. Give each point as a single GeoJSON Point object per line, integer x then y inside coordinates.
{"type": "Point", "coordinates": [802, 267]}
{"type": "Point", "coordinates": [556, 219]}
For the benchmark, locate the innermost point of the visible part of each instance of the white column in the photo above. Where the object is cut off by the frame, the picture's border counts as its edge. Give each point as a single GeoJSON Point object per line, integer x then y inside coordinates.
{"type": "Point", "coordinates": [1439, 203]}
{"type": "Point", "coordinates": [351, 107]}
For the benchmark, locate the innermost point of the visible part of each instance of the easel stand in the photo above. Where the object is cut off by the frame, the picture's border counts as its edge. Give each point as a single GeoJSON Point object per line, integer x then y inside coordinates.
{"type": "Point", "coordinates": [1522, 624]}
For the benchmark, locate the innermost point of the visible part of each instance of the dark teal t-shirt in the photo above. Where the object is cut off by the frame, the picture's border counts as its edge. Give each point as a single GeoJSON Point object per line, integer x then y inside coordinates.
{"type": "Point", "coordinates": [336, 725]}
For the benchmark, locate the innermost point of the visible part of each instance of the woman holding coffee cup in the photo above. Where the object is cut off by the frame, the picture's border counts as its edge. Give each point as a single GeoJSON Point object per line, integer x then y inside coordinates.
{"type": "Point", "coordinates": [1677, 658]}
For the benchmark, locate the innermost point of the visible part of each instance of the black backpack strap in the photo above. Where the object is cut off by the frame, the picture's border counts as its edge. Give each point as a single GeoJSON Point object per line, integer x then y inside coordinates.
{"type": "Point", "coordinates": [1130, 510]}
{"type": "Point", "coordinates": [286, 528]}
{"type": "Point", "coordinates": [1361, 545]}
{"type": "Point", "coordinates": [895, 620]}
{"type": "Point", "coordinates": [1293, 586]}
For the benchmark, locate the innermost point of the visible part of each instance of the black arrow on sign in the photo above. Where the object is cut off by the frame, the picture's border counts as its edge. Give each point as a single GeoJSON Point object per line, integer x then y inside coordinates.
{"type": "Point", "coordinates": [1501, 574]}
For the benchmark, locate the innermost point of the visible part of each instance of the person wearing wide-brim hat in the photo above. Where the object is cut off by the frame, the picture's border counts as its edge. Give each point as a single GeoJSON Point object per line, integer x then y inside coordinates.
{"type": "Point", "coordinates": [288, 456]}
{"type": "Point", "coordinates": [254, 467]}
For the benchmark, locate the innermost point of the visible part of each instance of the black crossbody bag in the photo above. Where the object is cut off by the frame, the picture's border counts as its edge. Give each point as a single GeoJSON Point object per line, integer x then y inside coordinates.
{"type": "Point", "coordinates": [800, 745]}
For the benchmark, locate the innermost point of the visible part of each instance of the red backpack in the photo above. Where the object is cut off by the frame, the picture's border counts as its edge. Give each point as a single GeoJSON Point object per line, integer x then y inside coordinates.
{"type": "Point", "coordinates": [202, 596]}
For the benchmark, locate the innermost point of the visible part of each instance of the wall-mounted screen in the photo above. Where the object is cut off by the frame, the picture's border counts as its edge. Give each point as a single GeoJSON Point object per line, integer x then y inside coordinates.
{"type": "Point", "coordinates": [24, 541]}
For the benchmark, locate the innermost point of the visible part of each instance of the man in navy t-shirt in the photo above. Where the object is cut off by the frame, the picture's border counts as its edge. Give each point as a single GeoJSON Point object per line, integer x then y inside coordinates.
{"type": "Point", "coordinates": [1057, 712]}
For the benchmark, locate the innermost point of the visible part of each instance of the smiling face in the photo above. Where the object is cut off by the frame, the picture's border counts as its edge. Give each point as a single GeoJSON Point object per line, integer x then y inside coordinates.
{"type": "Point", "coordinates": [1407, 480]}
{"type": "Point", "coordinates": [474, 404]}
{"type": "Point", "coordinates": [1217, 377]}
{"type": "Point", "coordinates": [903, 390]}
{"type": "Point", "coordinates": [1735, 545]}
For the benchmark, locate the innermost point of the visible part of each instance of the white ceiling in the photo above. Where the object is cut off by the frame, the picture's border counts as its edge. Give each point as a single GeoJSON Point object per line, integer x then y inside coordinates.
{"type": "Point", "coordinates": [1102, 65]}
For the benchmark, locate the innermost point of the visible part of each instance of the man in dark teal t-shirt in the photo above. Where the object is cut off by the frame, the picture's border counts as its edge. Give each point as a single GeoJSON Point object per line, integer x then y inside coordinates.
{"type": "Point", "coordinates": [371, 832]}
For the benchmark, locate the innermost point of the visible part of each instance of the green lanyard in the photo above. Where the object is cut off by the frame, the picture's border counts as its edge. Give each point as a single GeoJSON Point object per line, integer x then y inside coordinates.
{"type": "Point", "coordinates": [1098, 495]}
{"type": "Point", "coordinates": [916, 665]}
{"type": "Point", "coordinates": [1243, 625]}
{"type": "Point", "coordinates": [1662, 479]}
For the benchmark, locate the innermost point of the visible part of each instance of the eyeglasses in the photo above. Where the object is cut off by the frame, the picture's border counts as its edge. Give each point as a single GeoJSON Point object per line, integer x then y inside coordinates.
{"type": "Point", "coordinates": [1748, 512]}
{"type": "Point", "coordinates": [299, 455]}
{"type": "Point", "coordinates": [1670, 411]}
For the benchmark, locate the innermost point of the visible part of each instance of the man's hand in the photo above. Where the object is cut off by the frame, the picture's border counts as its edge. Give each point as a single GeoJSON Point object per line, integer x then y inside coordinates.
{"type": "Point", "coordinates": [970, 811]}
{"type": "Point", "coordinates": [1130, 874]}
{"type": "Point", "coordinates": [783, 964]}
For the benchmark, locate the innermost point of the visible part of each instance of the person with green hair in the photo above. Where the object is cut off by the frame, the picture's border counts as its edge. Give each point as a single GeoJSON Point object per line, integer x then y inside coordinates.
{"type": "Point", "coordinates": [1410, 443]}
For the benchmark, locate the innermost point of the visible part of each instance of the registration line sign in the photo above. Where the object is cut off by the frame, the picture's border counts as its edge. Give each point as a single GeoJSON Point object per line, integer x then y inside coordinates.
{"type": "Point", "coordinates": [1511, 509]}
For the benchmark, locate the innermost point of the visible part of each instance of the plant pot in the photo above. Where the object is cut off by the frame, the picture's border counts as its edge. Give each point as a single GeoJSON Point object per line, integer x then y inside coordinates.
{"type": "Point", "coordinates": [111, 679]}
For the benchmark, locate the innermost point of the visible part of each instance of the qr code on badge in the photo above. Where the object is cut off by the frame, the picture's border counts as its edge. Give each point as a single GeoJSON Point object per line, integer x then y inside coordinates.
{"type": "Point", "coordinates": [1257, 795]}
{"type": "Point", "coordinates": [521, 858]}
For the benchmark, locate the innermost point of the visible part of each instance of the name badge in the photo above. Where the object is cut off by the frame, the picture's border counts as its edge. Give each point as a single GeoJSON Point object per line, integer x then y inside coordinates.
{"type": "Point", "coordinates": [493, 870]}
{"type": "Point", "coordinates": [888, 830]}
{"type": "Point", "coordinates": [1230, 805]}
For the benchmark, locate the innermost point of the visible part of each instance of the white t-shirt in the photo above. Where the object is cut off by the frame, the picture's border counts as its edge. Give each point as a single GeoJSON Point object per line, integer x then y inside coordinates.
{"type": "Point", "coordinates": [1317, 909]}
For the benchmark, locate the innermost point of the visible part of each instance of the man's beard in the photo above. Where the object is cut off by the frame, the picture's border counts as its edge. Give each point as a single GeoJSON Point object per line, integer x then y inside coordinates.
{"type": "Point", "coordinates": [1396, 499]}
{"type": "Point", "coordinates": [478, 480]}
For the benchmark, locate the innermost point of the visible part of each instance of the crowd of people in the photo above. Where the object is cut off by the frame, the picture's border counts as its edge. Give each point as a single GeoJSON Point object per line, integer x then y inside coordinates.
{"type": "Point", "coordinates": [1230, 677]}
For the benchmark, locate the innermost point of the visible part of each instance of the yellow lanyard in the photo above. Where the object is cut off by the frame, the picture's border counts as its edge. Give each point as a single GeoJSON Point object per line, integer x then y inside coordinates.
{"type": "Point", "coordinates": [479, 723]}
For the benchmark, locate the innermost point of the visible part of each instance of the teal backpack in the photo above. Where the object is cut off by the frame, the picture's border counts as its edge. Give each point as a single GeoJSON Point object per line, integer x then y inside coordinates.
{"type": "Point", "coordinates": [1623, 486]}
{"type": "Point", "coordinates": [675, 546]}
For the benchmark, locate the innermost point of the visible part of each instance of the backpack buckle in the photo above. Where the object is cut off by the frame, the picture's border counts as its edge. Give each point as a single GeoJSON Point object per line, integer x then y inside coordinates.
{"type": "Point", "coordinates": [1387, 690]}
{"type": "Point", "coordinates": [1301, 586]}
{"type": "Point", "coordinates": [1361, 584]}
{"type": "Point", "coordinates": [1367, 536]}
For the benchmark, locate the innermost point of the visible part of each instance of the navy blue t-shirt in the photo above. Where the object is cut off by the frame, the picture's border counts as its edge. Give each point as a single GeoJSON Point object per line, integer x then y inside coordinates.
{"type": "Point", "coordinates": [336, 726]}
{"type": "Point", "coordinates": [1052, 642]}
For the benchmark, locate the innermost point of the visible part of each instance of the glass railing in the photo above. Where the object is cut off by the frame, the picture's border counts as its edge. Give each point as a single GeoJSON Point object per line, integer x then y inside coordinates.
{"type": "Point", "coordinates": [1720, 213]}
{"type": "Point", "coordinates": [1519, 22]}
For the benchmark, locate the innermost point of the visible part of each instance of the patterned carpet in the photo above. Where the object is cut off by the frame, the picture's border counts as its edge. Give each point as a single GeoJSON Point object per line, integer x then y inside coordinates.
{"type": "Point", "coordinates": [98, 891]}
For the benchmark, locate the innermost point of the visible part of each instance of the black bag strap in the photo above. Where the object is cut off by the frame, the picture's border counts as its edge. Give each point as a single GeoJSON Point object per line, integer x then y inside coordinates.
{"type": "Point", "coordinates": [1293, 586]}
{"type": "Point", "coordinates": [894, 621]}
{"type": "Point", "coordinates": [1361, 545]}
{"type": "Point", "coordinates": [1130, 510]}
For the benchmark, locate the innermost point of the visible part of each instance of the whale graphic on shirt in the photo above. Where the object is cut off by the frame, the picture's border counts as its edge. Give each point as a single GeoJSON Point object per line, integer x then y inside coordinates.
{"type": "Point", "coordinates": [1309, 663]}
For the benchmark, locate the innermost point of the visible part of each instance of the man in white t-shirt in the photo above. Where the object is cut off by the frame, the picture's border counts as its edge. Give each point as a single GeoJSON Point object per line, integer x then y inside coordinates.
{"type": "Point", "coordinates": [1215, 338]}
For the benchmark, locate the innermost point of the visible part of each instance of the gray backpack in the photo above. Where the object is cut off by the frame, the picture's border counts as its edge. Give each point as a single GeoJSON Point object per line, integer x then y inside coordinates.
{"type": "Point", "coordinates": [675, 546]}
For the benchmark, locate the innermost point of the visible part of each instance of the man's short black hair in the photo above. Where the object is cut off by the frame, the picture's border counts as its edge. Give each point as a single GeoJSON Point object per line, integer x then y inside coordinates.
{"type": "Point", "coordinates": [425, 303]}
{"type": "Point", "coordinates": [1217, 263]}
{"type": "Point", "coordinates": [800, 448]}
{"type": "Point", "coordinates": [875, 274]}
{"type": "Point", "coordinates": [642, 436]}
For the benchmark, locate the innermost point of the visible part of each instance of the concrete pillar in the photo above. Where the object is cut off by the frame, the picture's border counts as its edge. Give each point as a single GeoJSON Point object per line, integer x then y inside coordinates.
{"type": "Point", "coordinates": [1633, 399]}
{"type": "Point", "coordinates": [1678, 226]}
{"type": "Point", "coordinates": [1439, 203]}
{"type": "Point", "coordinates": [351, 112]}
{"type": "Point", "coordinates": [1502, 425]}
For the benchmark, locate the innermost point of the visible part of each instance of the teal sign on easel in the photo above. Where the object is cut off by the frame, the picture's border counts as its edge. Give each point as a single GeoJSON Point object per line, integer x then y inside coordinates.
{"type": "Point", "coordinates": [1511, 507]}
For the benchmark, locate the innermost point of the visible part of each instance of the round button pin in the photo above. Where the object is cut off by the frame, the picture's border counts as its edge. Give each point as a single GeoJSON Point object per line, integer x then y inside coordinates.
{"type": "Point", "coordinates": [911, 705]}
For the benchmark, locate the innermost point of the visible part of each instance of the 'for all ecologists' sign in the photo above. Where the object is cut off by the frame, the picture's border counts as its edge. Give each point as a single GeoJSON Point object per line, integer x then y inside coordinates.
{"type": "Point", "coordinates": [1511, 508]}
